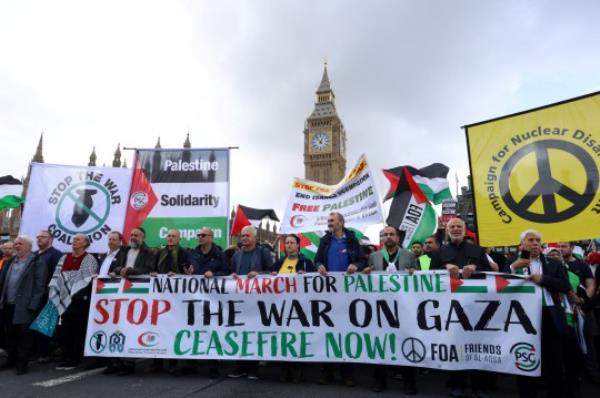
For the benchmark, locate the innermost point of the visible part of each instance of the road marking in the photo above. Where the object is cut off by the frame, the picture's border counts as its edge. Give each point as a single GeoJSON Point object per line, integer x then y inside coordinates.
{"type": "Point", "coordinates": [69, 378]}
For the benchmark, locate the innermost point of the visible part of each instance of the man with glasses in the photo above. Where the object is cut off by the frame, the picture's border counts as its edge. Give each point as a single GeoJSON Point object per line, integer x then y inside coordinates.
{"type": "Point", "coordinates": [208, 260]}
{"type": "Point", "coordinates": [48, 253]}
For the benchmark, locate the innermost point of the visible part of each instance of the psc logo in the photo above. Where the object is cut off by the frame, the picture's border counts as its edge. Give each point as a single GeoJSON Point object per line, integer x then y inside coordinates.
{"type": "Point", "coordinates": [139, 200]}
{"type": "Point", "coordinates": [148, 339]}
{"type": "Point", "coordinates": [526, 358]}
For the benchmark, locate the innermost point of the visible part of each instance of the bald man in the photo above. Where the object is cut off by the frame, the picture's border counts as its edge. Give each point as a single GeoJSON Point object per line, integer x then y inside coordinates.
{"type": "Point", "coordinates": [22, 288]}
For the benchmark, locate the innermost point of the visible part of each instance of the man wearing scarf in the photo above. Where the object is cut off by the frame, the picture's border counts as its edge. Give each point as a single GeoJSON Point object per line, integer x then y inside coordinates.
{"type": "Point", "coordinates": [70, 292]}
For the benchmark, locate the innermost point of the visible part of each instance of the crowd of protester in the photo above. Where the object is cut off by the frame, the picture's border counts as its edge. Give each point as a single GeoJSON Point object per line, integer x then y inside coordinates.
{"type": "Point", "coordinates": [570, 316]}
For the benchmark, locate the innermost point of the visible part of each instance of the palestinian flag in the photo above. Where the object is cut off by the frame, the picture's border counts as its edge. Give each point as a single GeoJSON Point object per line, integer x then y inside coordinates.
{"type": "Point", "coordinates": [432, 180]}
{"type": "Point", "coordinates": [137, 285]}
{"type": "Point", "coordinates": [245, 216]}
{"type": "Point", "coordinates": [512, 284]}
{"type": "Point", "coordinates": [410, 210]}
{"type": "Point", "coordinates": [107, 285]}
{"type": "Point", "coordinates": [471, 285]}
{"type": "Point", "coordinates": [11, 190]}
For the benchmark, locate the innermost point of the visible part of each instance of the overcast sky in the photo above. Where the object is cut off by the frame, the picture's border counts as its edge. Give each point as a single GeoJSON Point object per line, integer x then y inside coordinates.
{"type": "Point", "coordinates": [407, 75]}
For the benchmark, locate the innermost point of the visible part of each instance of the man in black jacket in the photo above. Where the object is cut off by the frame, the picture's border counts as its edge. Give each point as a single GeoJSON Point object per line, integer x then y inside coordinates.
{"type": "Point", "coordinates": [135, 259]}
{"type": "Point", "coordinates": [461, 258]}
{"type": "Point", "coordinates": [551, 275]}
{"type": "Point", "coordinates": [207, 259]}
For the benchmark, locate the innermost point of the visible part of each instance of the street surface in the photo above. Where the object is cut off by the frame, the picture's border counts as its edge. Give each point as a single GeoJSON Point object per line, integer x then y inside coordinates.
{"type": "Point", "coordinates": [47, 381]}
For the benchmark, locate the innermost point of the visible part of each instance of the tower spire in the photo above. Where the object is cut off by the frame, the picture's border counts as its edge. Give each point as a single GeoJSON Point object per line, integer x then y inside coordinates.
{"type": "Point", "coordinates": [39, 157]}
{"type": "Point", "coordinates": [187, 143]}
{"type": "Point", "coordinates": [325, 85]}
{"type": "Point", "coordinates": [117, 159]}
{"type": "Point", "coordinates": [92, 158]}
{"type": "Point", "coordinates": [157, 146]}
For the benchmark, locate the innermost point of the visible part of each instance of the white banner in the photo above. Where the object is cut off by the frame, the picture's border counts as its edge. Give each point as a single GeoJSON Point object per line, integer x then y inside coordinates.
{"type": "Point", "coordinates": [426, 320]}
{"type": "Point", "coordinates": [355, 197]}
{"type": "Point", "coordinates": [67, 200]}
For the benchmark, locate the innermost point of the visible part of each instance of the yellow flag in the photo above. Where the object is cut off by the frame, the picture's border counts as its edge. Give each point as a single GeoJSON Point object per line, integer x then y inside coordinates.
{"type": "Point", "coordinates": [538, 169]}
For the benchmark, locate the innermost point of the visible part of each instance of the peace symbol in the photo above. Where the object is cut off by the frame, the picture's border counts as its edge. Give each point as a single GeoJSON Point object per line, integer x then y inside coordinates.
{"type": "Point", "coordinates": [413, 350]}
{"type": "Point", "coordinates": [547, 186]}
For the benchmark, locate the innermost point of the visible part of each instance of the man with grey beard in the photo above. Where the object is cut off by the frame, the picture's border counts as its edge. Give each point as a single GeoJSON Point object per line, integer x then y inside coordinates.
{"type": "Point", "coordinates": [135, 259]}
{"type": "Point", "coordinates": [462, 259]}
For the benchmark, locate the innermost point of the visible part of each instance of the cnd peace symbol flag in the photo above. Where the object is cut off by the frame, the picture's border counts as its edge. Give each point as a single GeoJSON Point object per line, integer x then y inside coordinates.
{"type": "Point", "coordinates": [70, 200]}
{"type": "Point", "coordinates": [538, 169]}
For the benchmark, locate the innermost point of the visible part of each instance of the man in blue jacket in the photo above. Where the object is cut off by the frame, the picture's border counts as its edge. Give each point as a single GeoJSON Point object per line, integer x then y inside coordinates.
{"type": "Point", "coordinates": [339, 251]}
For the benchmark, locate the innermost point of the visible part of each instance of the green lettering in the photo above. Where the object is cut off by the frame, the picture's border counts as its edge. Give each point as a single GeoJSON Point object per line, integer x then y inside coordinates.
{"type": "Point", "coordinates": [177, 344]}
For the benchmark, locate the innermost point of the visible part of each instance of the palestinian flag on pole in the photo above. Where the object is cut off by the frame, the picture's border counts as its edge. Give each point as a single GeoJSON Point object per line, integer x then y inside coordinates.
{"type": "Point", "coordinates": [432, 180]}
{"type": "Point", "coordinates": [410, 210]}
{"type": "Point", "coordinates": [245, 216]}
{"type": "Point", "coordinates": [11, 191]}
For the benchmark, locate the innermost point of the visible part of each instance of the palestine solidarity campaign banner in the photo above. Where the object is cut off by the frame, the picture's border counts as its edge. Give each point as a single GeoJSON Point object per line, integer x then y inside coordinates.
{"type": "Point", "coordinates": [355, 197]}
{"type": "Point", "coordinates": [68, 200]}
{"type": "Point", "coordinates": [183, 189]}
{"type": "Point", "coordinates": [426, 320]}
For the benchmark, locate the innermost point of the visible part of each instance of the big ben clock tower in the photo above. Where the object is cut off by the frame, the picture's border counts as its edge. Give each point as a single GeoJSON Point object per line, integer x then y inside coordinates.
{"type": "Point", "coordinates": [324, 138]}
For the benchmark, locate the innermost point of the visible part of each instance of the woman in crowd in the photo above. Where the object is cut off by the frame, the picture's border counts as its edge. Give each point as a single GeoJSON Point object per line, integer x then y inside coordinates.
{"type": "Point", "coordinates": [70, 290]}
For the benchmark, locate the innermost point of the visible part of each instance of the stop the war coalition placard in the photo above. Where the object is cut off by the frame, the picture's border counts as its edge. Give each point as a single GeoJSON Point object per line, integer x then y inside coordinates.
{"type": "Point", "coordinates": [491, 322]}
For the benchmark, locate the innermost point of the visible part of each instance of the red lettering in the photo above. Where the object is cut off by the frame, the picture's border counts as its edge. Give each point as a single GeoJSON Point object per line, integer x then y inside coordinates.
{"type": "Point", "coordinates": [131, 310]}
{"type": "Point", "coordinates": [156, 310]}
{"type": "Point", "coordinates": [266, 285]}
{"type": "Point", "coordinates": [103, 312]}
{"type": "Point", "coordinates": [118, 309]}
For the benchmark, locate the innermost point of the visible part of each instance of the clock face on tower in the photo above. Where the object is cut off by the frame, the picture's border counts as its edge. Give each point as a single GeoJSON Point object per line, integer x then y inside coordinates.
{"type": "Point", "coordinates": [320, 142]}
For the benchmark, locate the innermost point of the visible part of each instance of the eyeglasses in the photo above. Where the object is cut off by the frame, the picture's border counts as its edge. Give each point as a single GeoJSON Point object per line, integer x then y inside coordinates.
{"type": "Point", "coordinates": [203, 235]}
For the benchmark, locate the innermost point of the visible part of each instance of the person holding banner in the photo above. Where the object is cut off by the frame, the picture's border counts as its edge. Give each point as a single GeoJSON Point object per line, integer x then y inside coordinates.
{"type": "Point", "coordinates": [172, 259]}
{"type": "Point", "coordinates": [22, 288]}
{"type": "Point", "coordinates": [339, 251]}
{"type": "Point", "coordinates": [462, 259]}
{"type": "Point", "coordinates": [292, 263]}
{"type": "Point", "coordinates": [207, 259]}
{"type": "Point", "coordinates": [431, 245]}
{"type": "Point", "coordinates": [135, 259]}
{"type": "Point", "coordinates": [70, 292]}
{"type": "Point", "coordinates": [393, 258]}
{"type": "Point", "coordinates": [251, 260]}
{"type": "Point", "coordinates": [551, 275]}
